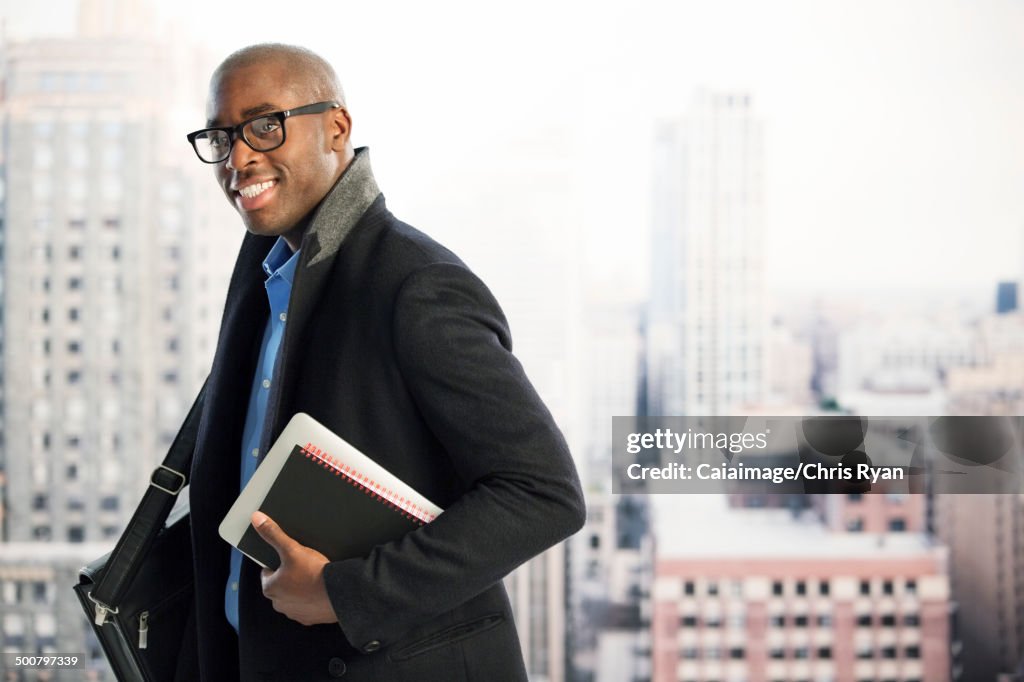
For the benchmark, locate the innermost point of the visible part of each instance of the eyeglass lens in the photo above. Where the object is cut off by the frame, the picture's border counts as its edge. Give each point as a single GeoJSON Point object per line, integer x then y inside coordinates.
{"type": "Point", "coordinates": [262, 134]}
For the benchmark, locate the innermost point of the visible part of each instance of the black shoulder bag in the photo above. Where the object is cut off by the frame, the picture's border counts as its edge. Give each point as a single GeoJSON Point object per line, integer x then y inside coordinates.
{"type": "Point", "coordinates": [139, 596]}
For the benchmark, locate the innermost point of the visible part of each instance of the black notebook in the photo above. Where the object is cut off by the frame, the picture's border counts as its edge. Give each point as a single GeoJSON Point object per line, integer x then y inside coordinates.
{"type": "Point", "coordinates": [326, 495]}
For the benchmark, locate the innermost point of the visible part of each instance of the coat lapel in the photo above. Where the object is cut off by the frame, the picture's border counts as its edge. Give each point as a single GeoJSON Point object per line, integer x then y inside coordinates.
{"type": "Point", "coordinates": [332, 222]}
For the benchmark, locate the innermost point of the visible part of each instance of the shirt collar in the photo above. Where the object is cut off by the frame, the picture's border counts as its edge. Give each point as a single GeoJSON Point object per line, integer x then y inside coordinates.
{"type": "Point", "coordinates": [281, 261]}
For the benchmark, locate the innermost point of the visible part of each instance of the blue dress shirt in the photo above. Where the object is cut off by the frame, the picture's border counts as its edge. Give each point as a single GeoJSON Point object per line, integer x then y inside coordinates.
{"type": "Point", "coordinates": [280, 267]}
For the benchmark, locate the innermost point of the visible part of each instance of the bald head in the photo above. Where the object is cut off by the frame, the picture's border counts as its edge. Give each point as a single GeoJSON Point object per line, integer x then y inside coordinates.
{"type": "Point", "coordinates": [310, 75]}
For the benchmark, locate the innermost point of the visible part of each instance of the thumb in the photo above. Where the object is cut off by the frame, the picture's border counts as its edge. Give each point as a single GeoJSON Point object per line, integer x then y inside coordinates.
{"type": "Point", "coordinates": [272, 533]}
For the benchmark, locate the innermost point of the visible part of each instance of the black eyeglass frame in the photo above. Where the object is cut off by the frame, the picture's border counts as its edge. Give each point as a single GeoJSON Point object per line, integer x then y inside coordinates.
{"type": "Point", "coordinates": [238, 131]}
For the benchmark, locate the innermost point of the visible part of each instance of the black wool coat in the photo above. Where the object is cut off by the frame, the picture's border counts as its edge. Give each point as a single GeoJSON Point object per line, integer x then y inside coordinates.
{"type": "Point", "coordinates": [393, 344]}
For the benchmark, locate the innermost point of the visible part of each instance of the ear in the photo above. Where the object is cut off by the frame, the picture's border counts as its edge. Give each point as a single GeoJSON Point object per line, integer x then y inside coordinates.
{"type": "Point", "coordinates": [340, 130]}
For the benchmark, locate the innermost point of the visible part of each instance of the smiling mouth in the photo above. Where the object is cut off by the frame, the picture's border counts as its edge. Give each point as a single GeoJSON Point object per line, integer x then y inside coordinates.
{"type": "Point", "coordinates": [251, 191]}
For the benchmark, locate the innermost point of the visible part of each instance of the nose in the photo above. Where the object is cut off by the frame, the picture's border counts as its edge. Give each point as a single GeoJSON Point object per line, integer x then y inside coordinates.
{"type": "Point", "coordinates": [241, 154]}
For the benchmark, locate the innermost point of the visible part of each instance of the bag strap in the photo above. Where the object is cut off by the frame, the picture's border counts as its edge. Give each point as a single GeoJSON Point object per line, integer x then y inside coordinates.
{"type": "Point", "coordinates": [166, 481]}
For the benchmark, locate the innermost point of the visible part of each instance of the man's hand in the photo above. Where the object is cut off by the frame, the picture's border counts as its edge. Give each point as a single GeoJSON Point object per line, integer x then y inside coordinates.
{"type": "Point", "coordinates": [297, 587]}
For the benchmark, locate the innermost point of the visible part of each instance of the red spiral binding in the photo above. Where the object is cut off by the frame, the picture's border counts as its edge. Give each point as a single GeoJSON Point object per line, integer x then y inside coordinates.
{"type": "Point", "coordinates": [369, 486]}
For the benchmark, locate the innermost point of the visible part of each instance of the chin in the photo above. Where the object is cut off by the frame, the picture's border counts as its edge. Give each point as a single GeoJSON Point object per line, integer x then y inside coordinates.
{"type": "Point", "coordinates": [262, 229]}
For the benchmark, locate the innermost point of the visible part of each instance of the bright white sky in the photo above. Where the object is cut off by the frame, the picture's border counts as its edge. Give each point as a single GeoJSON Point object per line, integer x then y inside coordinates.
{"type": "Point", "coordinates": [895, 149]}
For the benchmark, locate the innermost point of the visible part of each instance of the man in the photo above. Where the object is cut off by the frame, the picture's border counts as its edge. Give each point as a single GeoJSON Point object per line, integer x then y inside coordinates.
{"type": "Point", "coordinates": [338, 309]}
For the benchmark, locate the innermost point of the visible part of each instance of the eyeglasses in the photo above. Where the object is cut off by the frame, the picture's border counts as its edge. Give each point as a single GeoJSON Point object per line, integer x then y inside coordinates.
{"type": "Point", "coordinates": [262, 133]}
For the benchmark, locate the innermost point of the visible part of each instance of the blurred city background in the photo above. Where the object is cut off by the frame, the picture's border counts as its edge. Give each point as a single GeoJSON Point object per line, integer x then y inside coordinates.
{"type": "Point", "coordinates": [684, 208]}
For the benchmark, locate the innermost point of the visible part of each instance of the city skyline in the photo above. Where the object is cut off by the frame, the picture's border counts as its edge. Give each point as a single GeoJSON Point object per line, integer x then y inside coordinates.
{"type": "Point", "coordinates": [546, 123]}
{"type": "Point", "coordinates": [888, 129]}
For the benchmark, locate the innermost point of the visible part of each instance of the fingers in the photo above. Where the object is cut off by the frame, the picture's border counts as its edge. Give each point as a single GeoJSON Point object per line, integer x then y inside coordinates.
{"type": "Point", "coordinates": [272, 533]}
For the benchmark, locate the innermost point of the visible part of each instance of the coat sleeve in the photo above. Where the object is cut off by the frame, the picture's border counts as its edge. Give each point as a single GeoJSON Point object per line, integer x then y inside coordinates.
{"type": "Point", "coordinates": [454, 352]}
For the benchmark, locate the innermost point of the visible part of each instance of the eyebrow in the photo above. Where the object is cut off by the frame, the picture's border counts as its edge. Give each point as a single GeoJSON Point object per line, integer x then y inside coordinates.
{"type": "Point", "coordinates": [250, 112]}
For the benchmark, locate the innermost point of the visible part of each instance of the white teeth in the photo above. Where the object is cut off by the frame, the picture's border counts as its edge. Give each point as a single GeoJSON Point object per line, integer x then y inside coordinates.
{"type": "Point", "coordinates": [255, 190]}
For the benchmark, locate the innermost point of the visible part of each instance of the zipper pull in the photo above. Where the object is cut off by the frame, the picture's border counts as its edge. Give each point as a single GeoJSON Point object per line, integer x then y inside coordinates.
{"type": "Point", "coordinates": [101, 614]}
{"type": "Point", "coordinates": [144, 629]}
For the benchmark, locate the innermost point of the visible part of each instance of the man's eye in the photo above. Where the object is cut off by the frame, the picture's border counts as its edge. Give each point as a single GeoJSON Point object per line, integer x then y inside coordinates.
{"type": "Point", "coordinates": [265, 126]}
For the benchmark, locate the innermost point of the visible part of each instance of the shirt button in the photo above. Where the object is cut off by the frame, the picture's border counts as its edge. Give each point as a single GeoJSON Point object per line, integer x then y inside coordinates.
{"type": "Point", "coordinates": [266, 383]}
{"type": "Point", "coordinates": [255, 452]}
{"type": "Point", "coordinates": [283, 316]}
{"type": "Point", "coordinates": [234, 586]}
{"type": "Point", "coordinates": [336, 667]}
{"type": "Point", "coordinates": [370, 647]}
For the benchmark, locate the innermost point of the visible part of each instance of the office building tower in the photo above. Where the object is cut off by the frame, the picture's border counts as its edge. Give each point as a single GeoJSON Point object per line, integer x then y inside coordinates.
{"type": "Point", "coordinates": [707, 321]}
{"type": "Point", "coordinates": [985, 536]}
{"type": "Point", "coordinates": [111, 294]}
{"type": "Point", "coordinates": [1006, 297]}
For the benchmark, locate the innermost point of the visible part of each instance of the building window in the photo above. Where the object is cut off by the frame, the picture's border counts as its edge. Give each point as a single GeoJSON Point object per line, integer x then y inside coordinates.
{"type": "Point", "coordinates": [801, 587]}
{"type": "Point", "coordinates": [777, 588]}
{"type": "Point", "coordinates": [39, 592]}
{"type": "Point", "coordinates": [888, 620]}
{"type": "Point", "coordinates": [911, 587]}
{"type": "Point", "coordinates": [913, 651]}
{"type": "Point", "coordinates": [689, 653]}
{"type": "Point", "coordinates": [824, 620]}
{"type": "Point", "coordinates": [864, 620]}
{"type": "Point", "coordinates": [713, 589]}
{"type": "Point", "coordinates": [824, 652]}
{"type": "Point", "coordinates": [778, 652]}
{"type": "Point", "coordinates": [688, 621]}
{"type": "Point", "coordinates": [912, 620]}
{"type": "Point", "coordinates": [800, 652]}
{"type": "Point", "coordinates": [688, 588]}
{"type": "Point", "coordinates": [887, 587]}
{"type": "Point", "coordinates": [888, 652]}
{"type": "Point", "coordinates": [823, 588]}
{"type": "Point", "coordinates": [855, 525]}
{"type": "Point", "coordinates": [40, 502]}
{"type": "Point", "coordinates": [778, 620]}
{"type": "Point", "coordinates": [865, 651]}
{"type": "Point", "coordinates": [800, 621]}
{"type": "Point", "coordinates": [42, 533]}
{"type": "Point", "coordinates": [109, 503]}
{"type": "Point", "coordinates": [854, 497]}
{"type": "Point", "coordinates": [865, 587]}
{"type": "Point", "coordinates": [736, 652]}
{"type": "Point", "coordinates": [76, 534]}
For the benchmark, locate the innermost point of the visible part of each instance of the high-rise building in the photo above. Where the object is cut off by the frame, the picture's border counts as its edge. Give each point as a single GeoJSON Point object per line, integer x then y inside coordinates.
{"type": "Point", "coordinates": [110, 304]}
{"type": "Point", "coordinates": [707, 324]}
{"type": "Point", "coordinates": [985, 536]}
{"type": "Point", "coordinates": [1006, 297]}
{"type": "Point", "coordinates": [613, 555]}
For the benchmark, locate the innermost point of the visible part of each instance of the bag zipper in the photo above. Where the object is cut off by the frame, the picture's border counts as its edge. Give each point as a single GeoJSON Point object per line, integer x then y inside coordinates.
{"type": "Point", "coordinates": [144, 629]}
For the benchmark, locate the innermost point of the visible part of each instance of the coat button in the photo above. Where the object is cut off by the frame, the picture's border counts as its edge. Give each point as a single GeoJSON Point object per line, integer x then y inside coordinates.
{"type": "Point", "coordinates": [370, 647]}
{"type": "Point", "coordinates": [336, 667]}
